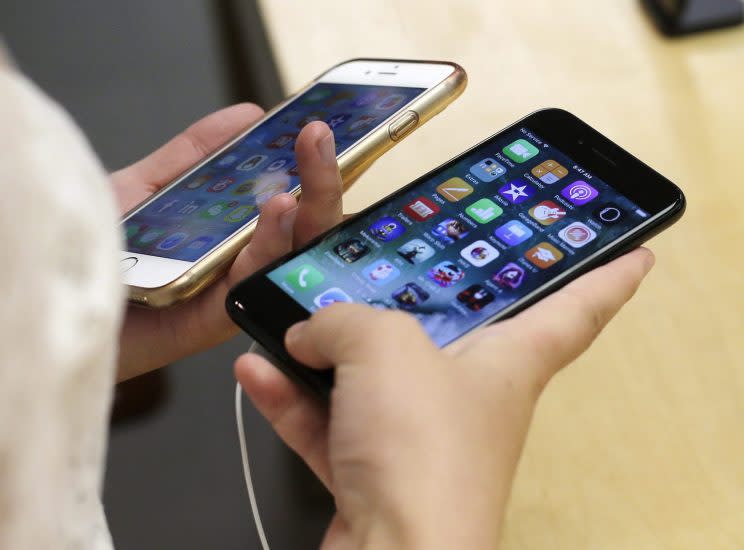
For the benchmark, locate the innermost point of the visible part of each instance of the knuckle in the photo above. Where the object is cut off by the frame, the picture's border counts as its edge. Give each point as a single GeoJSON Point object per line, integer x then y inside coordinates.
{"type": "Point", "coordinates": [590, 315]}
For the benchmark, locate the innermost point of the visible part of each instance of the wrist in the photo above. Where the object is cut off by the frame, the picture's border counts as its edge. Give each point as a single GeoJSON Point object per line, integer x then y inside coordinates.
{"type": "Point", "coordinates": [442, 522]}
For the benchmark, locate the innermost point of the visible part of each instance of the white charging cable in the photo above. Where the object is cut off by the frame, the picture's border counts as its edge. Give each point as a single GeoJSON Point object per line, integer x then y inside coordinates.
{"type": "Point", "coordinates": [246, 465]}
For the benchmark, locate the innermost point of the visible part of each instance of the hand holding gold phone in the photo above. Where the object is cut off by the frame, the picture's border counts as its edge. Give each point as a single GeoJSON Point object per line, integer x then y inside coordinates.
{"type": "Point", "coordinates": [184, 237]}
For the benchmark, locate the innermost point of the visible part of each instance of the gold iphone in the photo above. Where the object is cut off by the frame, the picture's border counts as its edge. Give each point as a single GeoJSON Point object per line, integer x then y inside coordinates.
{"type": "Point", "coordinates": [184, 237]}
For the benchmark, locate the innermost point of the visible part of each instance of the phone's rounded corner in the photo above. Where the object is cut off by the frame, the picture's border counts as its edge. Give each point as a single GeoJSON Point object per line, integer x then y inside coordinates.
{"type": "Point", "coordinates": [459, 74]}
{"type": "Point", "coordinates": [680, 203]}
{"type": "Point", "coordinates": [458, 80]}
{"type": "Point", "coordinates": [161, 297]}
{"type": "Point", "coordinates": [554, 113]}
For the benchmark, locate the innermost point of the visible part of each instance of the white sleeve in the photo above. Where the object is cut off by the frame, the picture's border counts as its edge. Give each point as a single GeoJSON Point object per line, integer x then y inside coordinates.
{"type": "Point", "coordinates": [59, 319]}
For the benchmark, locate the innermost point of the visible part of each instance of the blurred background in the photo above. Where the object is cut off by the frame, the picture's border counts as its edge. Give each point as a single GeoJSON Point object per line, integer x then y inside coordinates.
{"type": "Point", "coordinates": [639, 444]}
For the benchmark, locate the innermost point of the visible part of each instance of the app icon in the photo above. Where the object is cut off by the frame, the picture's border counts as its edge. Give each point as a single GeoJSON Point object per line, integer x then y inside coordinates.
{"type": "Point", "coordinates": [267, 188]}
{"type": "Point", "coordinates": [450, 230]}
{"type": "Point", "coordinates": [217, 208]}
{"type": "Point", "coordinates": [220, 185]}
{"type": "Point", "coordinates": [421, 209]}
{"type": "Point", "coordinates": [278, 164]}
{"type": "Point", "coordinates": [244, 188]}
{"type": "Point", "coordinates": [312, 117]}
{"type": "Point", "coordinates": [446, 274]}
{"type": "Point", "coordinates": [227, 160]}
{"type": "Point", "coordinates": [479, 253]}
{"type": "Point", "coordinates": [331, 296]}
{"type": "Point", "coordinates": [200, 242]}
{"type": "Point", "coordinates": [162, 206]}
{"type": "Point", "coordinates": [415, 251]}
{"type": "Point", "coordinates": [410, 295]}
{"type": "Point", "coordinates": [304, 277]}
{"type": "Point", "coordinates": [172, 241]}
{"type": "Point", "coordinates": [317, 95]}
{"type": "Point", "coordinates": [487, 170]}
{"type": "Point", "coordinates": [609, 213]}
{"type": "Point", "coordinates": [381, 272]}
{"type": "Point", "coordinates": [475, 297]}
{"type": "Point", "coordinates": [286, 117]}
{"type": "Point", "coordinates": [149, 236]}
{"type": "Point", "coordinates": [390, 102]}
{"type": "Point", "coordinates": [282, 141]}
{"type": "Point", "coordinates": [251, 163]}
{"type": "Point", "coordinates": [577, 234]}
{"type": "Point", "coordinates": [454, 189]}
{"type": "Point", "coordinates": [520, 150]}
{"type": "Point", "coordinates": [549, 171]}
{"type": "Point", "coordinates": [133, 228]}
{"type": "Point", "coordinates": [513, 233]}
{"type": "Point", "coordinates": [334, 121]}
{"type": "Point", "coordinates": [517, 191]}
{"type": "Point", "coordinates": [240, 213]}
{"type": "Point", "coordinates": [351, 250]}
{"type": "Point", "coordinates": [543, 255]}
{"type": "Point", "coordinates": [484, 211]}
{"type": "Point", "coordinates": [387, 229]}
{"type": "Point", "coordinates": [190, 207]}
{"type": "Point", "coordinates": [343, 95]}
{"type": "Point", "coordinates": [579, 192]}
{"type": "Point", "coordinates": [547, 212]}
{"type": "Point", "coordinates": [198, 181]}
{"type": "Point", "coordinates": [362, 123]}
{"type": "Point", "coordinates": [510, 276]}
{"type": "Point", "coordinates": [368, 98]}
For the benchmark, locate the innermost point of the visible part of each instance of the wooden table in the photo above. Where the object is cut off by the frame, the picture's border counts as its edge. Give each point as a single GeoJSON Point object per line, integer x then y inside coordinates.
{"type": "Point", "coordinates": [640, 444]}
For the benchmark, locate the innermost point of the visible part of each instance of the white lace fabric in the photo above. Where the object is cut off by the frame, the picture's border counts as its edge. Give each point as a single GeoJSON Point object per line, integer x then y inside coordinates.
{"type": "Point", "coordinates": [59, 320]}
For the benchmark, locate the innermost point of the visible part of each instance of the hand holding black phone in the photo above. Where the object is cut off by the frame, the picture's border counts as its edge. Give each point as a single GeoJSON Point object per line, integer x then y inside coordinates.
{"type": "Point", "coordinates": [474, 241]}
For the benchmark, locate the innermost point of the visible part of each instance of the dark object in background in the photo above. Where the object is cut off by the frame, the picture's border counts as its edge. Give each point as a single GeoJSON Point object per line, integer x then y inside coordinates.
{"type": "Point", "coordinates": [677, 17]}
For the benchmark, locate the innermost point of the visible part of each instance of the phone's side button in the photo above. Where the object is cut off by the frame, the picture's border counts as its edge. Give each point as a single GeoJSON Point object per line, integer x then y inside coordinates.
{"type": "Point", "coordinates": [403, 125]}
{"type": "Point", "coordinates": [127, 263]}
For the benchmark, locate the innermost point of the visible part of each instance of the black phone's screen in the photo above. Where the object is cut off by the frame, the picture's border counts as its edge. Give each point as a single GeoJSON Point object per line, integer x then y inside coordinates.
{"type": "Point", "coordinates": [223, 195]}
{"type": "Point", "coordinates": [468, 241]}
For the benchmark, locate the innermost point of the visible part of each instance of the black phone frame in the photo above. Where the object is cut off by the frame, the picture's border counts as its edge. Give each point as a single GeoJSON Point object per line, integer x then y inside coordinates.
{"type": "Point", "coordinates": [264, 311]}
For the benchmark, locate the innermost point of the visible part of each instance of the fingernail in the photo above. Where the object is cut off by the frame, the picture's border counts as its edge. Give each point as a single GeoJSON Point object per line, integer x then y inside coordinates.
{"type": "Point", "coordinates": [294, 332]}
{"type": "Point", "coordinates": [287, 220]}
{"type": "Point", "coordinates": [327, 148]}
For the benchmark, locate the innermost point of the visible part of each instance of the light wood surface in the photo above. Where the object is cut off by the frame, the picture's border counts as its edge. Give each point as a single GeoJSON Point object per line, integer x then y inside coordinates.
{"type": "Point", "coordinates": [639, 444]}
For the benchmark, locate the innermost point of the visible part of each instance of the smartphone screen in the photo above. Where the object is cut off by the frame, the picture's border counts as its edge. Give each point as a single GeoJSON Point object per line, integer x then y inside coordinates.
{"type": "Point", "coordinates": [221, 197]}
{"type": "Point", "coordinates": [468, 241]}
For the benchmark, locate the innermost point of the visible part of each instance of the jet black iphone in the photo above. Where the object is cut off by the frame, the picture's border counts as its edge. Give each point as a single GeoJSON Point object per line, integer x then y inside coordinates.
{"type": "Point", "coordinates": [475, 240]}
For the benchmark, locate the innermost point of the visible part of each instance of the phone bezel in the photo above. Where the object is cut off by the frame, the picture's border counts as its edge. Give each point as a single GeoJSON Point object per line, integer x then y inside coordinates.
{"type": "Point", "coordinates": [152, 272]}
{"type": "Point", "coordinates": [659, 197]}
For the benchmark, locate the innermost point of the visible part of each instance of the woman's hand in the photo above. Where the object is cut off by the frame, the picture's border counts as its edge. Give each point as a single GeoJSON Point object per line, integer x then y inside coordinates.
{"type": "Point", "coordinates": [420, 445]}
{"type": "Point", "coordinates": [153, 338]}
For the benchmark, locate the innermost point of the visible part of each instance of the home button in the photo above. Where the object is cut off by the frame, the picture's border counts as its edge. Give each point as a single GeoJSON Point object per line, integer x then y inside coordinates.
{"type": "Point", "coordinates": [128, 263]}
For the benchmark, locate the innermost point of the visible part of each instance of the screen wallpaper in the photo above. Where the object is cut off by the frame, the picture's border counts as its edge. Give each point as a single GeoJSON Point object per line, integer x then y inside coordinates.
{"type": "Point", "coordinates": [467, 242]}
{"type": "Point", "coordinates": [222, 196]}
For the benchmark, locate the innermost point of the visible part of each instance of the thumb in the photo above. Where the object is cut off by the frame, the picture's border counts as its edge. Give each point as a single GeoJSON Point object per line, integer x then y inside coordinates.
{"type": "Point", "coordinates": [349, 334]}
